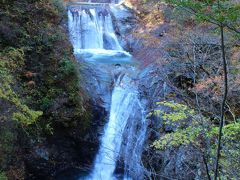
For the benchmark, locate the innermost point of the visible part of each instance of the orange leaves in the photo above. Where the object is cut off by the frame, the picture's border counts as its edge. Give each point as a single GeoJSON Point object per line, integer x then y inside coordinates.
{"type": "Point", "coordinates": [30, 74]}
{"type": "Point", "coordinates": [31, 84]}
{"type": "Point", "coordinates": [153, 19]}
{"type": "Point", "coordinates": [211, 87]}
{"type": "Point", "coordinates": [236, 56]}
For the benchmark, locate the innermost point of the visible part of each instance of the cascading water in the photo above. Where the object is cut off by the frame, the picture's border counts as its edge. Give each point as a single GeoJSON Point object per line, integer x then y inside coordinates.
{"type": "Point", "coordinates": [94, 40]}
{"type": "Point", "coordinates": [92, 35]}
{"type": "Point", "coordinates": [124, 107]}
{"type": "Point", "coordinates": [92, 29]}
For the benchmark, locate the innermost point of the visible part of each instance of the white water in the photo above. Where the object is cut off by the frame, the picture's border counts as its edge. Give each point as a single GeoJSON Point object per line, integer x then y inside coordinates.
{"type": "Point", "coordinates": [92, 29]}
{"type": "Point", "coordinates": [94, 40]}
{"type": "Point", "coordinates": [124, 101]}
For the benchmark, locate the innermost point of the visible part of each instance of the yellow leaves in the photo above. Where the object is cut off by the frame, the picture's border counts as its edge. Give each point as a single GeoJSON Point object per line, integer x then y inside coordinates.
{"type": "Point", "coordinates": [12, 59]}
{"type": "Point", "coordinates": [177, 113]}
{"type": "Point", "coordinates": [195, 134]}
{"type": "Point", "coordinates": [157, 112]}
{"type": "Point", "coordinates": [231, 131]}
{"type": "Point", "coordinates": [173, 105]}
{"type": "Point", "coordinates": [27, 118]}
{"type": "Point", "coordinates": [25, 115]}
{"type": "Point", "coordinates": [174, 117]}
{"type": "Point", "coordinates": [180, 137]}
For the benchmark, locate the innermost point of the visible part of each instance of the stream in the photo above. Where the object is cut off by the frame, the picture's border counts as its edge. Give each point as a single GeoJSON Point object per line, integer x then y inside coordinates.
{"type": "Point", "coordinates": [95, 43]}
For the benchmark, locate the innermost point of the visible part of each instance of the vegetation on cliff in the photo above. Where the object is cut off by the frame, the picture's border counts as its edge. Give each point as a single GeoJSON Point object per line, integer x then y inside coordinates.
{"type": "Point", "coordinates": [198, 55]}
{"type": "Point", "coordinates": [195, 45]}
{"type": "Point", "coordinates": [39, 79]}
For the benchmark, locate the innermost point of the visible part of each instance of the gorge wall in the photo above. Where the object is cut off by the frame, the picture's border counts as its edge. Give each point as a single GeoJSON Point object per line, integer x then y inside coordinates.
{"type": "Point", "coordinates": [98, 94]}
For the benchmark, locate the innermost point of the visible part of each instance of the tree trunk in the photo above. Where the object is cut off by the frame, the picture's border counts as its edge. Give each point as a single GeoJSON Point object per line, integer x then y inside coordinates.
{"type": "Point", "coordinates": [225, 71]}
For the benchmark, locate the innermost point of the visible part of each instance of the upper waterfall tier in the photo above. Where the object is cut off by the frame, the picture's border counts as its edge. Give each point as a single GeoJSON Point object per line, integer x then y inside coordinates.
{"type": "Point", "coordinates": [94, 40]}
{"type": "Point", "coordinates": [92, 28]}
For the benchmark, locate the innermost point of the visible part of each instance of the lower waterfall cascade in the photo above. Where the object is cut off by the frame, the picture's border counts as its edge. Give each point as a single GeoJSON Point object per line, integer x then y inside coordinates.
{"type": "Point", "coordinates": [94, 40]}
{"type": "Point", "coordinates": [119, 90]}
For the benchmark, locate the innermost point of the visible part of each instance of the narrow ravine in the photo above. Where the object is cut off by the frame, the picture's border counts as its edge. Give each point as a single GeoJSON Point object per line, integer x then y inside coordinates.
{"type": "Point", "coordinates": [94, 41]}
{"type": "Point", "coordinates": [119, 89]}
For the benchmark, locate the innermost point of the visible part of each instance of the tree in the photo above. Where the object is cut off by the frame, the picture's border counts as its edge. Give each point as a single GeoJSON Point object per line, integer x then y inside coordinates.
{"type": "Point", "coordinates": [225, 15]}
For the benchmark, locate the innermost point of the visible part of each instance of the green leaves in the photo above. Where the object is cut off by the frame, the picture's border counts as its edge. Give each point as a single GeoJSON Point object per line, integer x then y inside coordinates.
{"type": "Point", "coordinates": [27, 118]}
{"type": "Point", "coordinates": [216, 12]}
{"type": "Point", "coordinates": [176, 115]}
{"type": "Point", "coordinates": [201, 134]}
{"type": "Point", "coordinates": [3, 176]}
{"type": "Point", "coordinates": [179, 112]}
{"type": "Point", "coordinates": [180, 137]}
{"type": "Point", "coordinates": [67, 67]}
{"type": "Point", "coordinates": [13, 59]}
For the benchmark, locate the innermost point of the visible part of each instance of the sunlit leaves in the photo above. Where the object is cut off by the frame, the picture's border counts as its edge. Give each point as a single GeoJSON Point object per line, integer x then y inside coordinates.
{"type": "Point", "coordinates": [217, 12]}
{"type": "Point", "coordinates": [11, 60]}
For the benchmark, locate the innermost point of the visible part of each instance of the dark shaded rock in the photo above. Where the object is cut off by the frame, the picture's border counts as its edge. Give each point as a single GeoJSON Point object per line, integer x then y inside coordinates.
{"type": "Point", "coordinates": [173, 163]}
{"type": "Point", "coordinates": [67, 149]}
{"type": "Point", "coordinates": [72, 148]}
{"type": "Point", "coordinates": [181, 163]}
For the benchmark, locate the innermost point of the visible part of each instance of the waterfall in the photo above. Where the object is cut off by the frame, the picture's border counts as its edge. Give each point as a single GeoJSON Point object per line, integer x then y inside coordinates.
{"type": "Point", "coordinates": [94, 40]}
{"type": "Point", "coordinates": [124, 107]}
{"type": "Point", "coordinates": [92, 29]}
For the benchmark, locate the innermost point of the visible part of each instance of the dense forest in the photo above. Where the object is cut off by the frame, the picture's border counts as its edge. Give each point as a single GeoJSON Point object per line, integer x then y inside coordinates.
{"type": "Point", "coordinates": [177, 100]}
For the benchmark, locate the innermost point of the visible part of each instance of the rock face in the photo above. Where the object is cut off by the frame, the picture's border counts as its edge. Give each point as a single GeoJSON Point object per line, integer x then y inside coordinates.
{"type": "Point", "coordinates": [97, 82]}
{"type": "Point", "coordinates": [70, 150]}
{"type": "Point", "coordinates": [184, 162]}
{"type": "Point", "coordinates": [125, 21]}
{"type": "Point", "coordinates": [67, 150]}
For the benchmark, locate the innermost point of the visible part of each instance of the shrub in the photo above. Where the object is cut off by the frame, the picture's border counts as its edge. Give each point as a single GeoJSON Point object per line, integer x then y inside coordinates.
{"type": "Point", "coordinates": [11, 60]}
{"type": "Point", "coordinates": [67, 67]}
{"type": "Point", "coordinates": [3, 176]}
{"type": "Point", "coordinates": [201, 134]}
{"type": "Point", "coordinates": [45, 103]}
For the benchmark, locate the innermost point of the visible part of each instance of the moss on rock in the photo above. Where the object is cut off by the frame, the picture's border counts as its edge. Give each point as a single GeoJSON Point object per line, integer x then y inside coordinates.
{"type": "Point", "coordinates": [39, 78]}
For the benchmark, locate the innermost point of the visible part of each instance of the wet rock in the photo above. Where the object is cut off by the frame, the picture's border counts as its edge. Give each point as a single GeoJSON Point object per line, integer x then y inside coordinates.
{"type": "Point", "coordinates": [125, 21]}
{"type": "Point", "coordinates": [181, 163]}
{"type": "Point", "coordinates": [170, 163]}
{"type": "Point", "coordinates": [70, 148]}
{"type": "Point", "coordinates": [42, 153]}
{"type": "Point", "coordinates": [97, 81]}
{"type": "Point", "coordinates": [152, 86]}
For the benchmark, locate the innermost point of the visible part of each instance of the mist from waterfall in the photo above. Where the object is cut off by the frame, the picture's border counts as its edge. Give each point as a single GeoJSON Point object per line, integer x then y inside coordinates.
{"type": "Point", "coordinates": [94, 40]}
